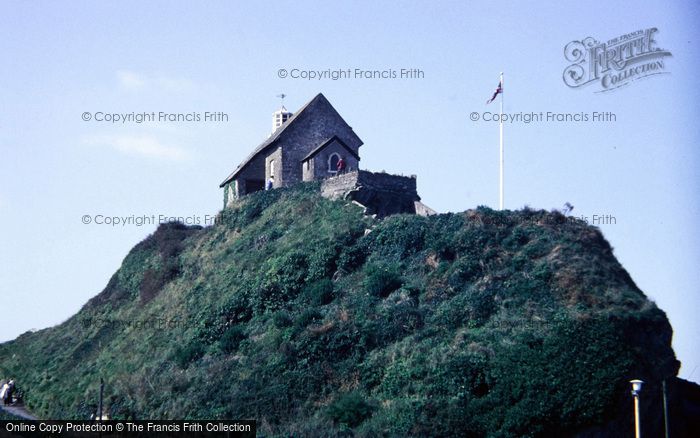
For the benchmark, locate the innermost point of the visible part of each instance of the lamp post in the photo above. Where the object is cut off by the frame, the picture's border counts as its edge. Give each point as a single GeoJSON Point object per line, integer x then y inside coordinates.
{"type": "Point", "coordinates": [636, 388]}
{"type": "Point", "coordinates": [665, 409]}
{"type": "Point", "coordinates": [102, 389]}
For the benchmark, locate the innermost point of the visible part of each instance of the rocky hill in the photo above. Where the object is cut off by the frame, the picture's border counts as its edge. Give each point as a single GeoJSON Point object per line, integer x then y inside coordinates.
{"type": "Point", "coordinates": [315, 320]}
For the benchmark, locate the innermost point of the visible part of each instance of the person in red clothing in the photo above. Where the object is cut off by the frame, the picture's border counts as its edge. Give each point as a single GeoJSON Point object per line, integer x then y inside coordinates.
{"type": "Point", "coordinates": [341, 165]}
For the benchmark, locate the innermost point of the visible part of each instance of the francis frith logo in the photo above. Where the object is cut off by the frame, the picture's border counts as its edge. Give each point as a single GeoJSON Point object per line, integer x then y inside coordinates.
{"type": "Point", "coordinates": [614, 63]}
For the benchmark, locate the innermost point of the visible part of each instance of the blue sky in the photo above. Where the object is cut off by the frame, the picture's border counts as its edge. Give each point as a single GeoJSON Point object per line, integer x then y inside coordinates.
{"type": "Point", "coordinates": [64, 59]}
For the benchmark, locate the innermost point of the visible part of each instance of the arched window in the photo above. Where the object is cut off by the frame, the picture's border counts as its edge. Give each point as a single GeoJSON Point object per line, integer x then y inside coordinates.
{"type": "Point", "coordinates": [333, 162]}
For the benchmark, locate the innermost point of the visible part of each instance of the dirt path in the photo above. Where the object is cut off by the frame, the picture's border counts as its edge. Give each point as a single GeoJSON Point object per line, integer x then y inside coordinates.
{"type": "Point", "coordinates": [18, 411]}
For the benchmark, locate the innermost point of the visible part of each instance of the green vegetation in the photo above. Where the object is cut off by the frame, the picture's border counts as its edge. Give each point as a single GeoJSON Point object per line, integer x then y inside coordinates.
{"type": "Point", "coordinates": [7, 416]}
{"type": "Point", "coordinates": [291, 312]}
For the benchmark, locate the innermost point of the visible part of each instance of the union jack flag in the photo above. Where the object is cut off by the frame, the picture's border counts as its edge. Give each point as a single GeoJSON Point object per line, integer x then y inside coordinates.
{"type": "Point", "coordinates": [498, 91]}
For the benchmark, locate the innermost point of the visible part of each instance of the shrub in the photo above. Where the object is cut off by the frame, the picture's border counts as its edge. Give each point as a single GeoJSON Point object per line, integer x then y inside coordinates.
{"type": "Point", "coordinates": [237, 309]}
{"type": "Point", "coordinates": [183, 356]}
{"type": "Point", "coordinates": [307, 317]}
{"type": "Point", "coordinates": [231, 339]}
{"type": "Point", "coordinates": [282, 319]}
{"type": "Point", "coordinates": [255, 205]}
{"type": "Point", "coordinates": [168, 239]}
{"type": "Point", "coordinates": [155, 279]}
{"type": "Point", "coordinates": [382, 279]}
{"type": "Point", "coordinates": [470, 308]}
{"type": "Point", "coordinates": [281, 281]}
{"type": "Point", "coordinates": [350, 409]}
{"type": "Point", "coordinates": [441, 235]}
{"type": "Point", "coordinates": [517, 239]}
{"type": "Point", "coordinates": [332, 342]}
{"type": "Point", "coordinates": [319, 293]}
{"type": "Point", "coordinates": [289, 272]}
{"type": "Point", "coordinates": [399, 236]}
{"type": "Point", "coordinates": [464, 271]}
{"type": "Point", "coordinates": [481, 304]}
{"type": "Point", "coordinates": [393, 323]}
{"type": "Point", "coordinates": [322, 261]}
{"type": "Point", "coordinates": [352, 257]}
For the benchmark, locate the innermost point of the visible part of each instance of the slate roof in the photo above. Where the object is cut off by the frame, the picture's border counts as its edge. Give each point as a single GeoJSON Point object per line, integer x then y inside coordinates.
{"type": "Point", "coordinates": [326, 143]}
{"type": "Point", "coordinates": [271, 140]}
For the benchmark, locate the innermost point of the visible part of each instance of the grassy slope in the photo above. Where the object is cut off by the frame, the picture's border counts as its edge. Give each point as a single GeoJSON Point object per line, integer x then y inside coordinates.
{"type": "Point", "coordinates": [4, 415]}
{"type": "Point", "coordinates": [496, 323]}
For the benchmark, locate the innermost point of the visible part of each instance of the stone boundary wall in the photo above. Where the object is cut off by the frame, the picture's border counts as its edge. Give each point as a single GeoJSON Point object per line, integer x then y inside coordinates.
{"type": "Point", "coordinates": [404, 185]}
{"type": "Point", "coordinates": [338, 186]}
{"type": "Point", "coordinates": [382, 194]}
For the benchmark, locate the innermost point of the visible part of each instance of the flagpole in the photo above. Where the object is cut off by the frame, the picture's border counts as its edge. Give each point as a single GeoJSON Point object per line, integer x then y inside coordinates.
{"type": "Point", "coordinates": [500, 203]}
